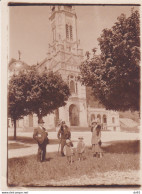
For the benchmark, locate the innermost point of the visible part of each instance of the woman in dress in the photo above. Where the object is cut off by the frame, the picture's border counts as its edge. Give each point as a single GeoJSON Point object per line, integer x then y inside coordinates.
{"type": "Point", "coordinates": [96, 139]}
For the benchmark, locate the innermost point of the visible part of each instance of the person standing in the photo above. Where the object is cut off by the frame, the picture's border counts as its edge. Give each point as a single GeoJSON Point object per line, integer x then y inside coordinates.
{"type": "Point", "coordinates": [80, 148]}
{"type": "Point", "coordinates": [69, 151]}
{"type": "Point", "coordinates": [99, 150]}
{"type": "Point", "coordinates": [41, 136]}
{"type": "Point", "coordinates": [96, 136]}
{"type": "Point", "coordinates": [63, 134]}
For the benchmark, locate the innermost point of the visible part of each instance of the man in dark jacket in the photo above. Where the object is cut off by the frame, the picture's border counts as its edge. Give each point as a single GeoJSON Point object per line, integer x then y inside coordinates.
{"type": "Point", "coordinates": [63, 134]}
{"type": "Point", "coordinates": [40, 135]}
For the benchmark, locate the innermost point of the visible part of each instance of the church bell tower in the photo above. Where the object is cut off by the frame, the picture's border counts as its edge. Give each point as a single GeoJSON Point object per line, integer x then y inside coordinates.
{"type": "Point", "coordinates": [63, 23]}
{"type": "Point", "coordinates": [65, 56]}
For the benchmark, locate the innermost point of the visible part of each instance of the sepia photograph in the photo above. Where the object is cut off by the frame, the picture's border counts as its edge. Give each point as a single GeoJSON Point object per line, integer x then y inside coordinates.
{"type": "Point", "coordinates": [73, 95]}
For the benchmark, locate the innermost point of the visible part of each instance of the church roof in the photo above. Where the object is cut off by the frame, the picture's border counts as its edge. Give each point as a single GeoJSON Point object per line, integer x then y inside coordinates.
{"type": "Point", "coordinates": [17, 65]}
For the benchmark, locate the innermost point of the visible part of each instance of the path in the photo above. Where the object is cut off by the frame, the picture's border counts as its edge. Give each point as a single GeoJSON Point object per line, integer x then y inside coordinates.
{"type": "Point", "coordinates": [107, 137]}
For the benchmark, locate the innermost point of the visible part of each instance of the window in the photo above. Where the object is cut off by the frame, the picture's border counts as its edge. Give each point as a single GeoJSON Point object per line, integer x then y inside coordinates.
{"type": "Point", "coordinates": [104, 119]}
{"type": "Point", "coordinates": [72, 86]}
{"type": "Point", "coordinates": [99, 118]}
{"type": "Point", "coordinates": [71, 36]}
{"type": "Point", "coordinates": [67, 31]}
{"type": "Point", "coordinates": [92, 117]}
{"type": "Point", "coordinates": [113, 120]}
{"type": "Point", "coordinates": [76, 88]}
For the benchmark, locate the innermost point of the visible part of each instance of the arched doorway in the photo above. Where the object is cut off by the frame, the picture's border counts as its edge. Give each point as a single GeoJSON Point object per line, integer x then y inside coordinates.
{"type": "Point", "coordinates": [73, 115]}
{"type": "Point", "coordinates": [104, 119]}
{"type": "Point", "coordinates": [104, 122]}
{"type": "Point", "coordinates": [92, 117]}
{"type": "Point", "coordinates": [99, 117]}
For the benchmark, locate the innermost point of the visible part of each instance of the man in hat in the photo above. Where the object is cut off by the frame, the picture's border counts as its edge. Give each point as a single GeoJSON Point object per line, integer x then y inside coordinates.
{"type": "Point", "coordinates": [40, 135]}
{"type": "Point", "coordinates": [63, 134]}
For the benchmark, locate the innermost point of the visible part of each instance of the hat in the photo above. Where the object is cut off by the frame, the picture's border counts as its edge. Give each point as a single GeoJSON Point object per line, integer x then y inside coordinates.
{"type": "Point", "coordinates": [67, 141]}
{"type": "Point", "coordinates": [40, 121]}
{"type": "Point", "coordinates": [95, 121]}
{"type": "Point", "coordinates": [80, 137]}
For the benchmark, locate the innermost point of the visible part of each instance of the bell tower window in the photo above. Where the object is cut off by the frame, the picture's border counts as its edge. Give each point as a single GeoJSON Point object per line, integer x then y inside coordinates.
{"type": "Point", "coordinates": [67, 31]}
{"type": "Point", "coordinates": [72, 81]}
{"type": "Point", "coordinates": [72, 86]}
{"type": "Point", "coordinates": [69, 34]}
{"type": "Point", "coordinates": [71, 37]}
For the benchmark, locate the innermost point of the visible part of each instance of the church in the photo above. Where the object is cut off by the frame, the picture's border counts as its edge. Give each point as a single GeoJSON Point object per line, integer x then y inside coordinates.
{"type": "Point", "coordinates": [65, 56]}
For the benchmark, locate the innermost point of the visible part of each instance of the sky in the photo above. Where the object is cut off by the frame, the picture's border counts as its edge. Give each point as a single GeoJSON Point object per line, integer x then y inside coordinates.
{"type": "Point", "coordinates": [30, 31]}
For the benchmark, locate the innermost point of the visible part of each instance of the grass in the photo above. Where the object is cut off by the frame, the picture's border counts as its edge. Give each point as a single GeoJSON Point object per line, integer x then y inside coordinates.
{"type": "Point", "coordinates": [120, 156]}
{"type": "Point", "coordinates": [123, 147]}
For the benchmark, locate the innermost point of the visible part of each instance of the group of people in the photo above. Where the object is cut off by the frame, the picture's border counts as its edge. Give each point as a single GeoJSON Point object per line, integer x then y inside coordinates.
{"type": "Point", "coordinates": [64, 135]}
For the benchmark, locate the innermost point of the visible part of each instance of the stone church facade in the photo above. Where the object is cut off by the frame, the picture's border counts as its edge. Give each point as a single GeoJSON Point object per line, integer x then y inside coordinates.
{"type": "Point", "coordinates": [64, 56]}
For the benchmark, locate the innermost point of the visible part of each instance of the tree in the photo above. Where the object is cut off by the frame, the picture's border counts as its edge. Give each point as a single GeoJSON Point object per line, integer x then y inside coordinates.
{"type": "Point", "coordinates": [114, 76]}
{"type": "Point", "coordinates": [17, 97]}
{"type": "Point", "coordinates": [33, 92]}
{"type": "Point", "coordinates": [47, 92]}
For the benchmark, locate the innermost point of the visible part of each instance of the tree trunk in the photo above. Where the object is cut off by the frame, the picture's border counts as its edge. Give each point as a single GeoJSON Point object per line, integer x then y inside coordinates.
{"type": "Point", "coordinates": [14, 129]}
{"type": "Point", "coordinates": [39, 117]}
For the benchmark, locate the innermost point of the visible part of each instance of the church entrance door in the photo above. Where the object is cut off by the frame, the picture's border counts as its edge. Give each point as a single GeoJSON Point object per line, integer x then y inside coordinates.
{"type": "Point", "coordinates": [73, 115]}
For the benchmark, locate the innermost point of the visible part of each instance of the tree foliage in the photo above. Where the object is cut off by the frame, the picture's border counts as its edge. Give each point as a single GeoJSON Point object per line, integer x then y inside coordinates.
{"type": "Point", "coordinates": [115, 75]}
{"type": "Point", "coordinates": [17, 96]}
{"type": "Point", "coordinates": [33, 92]}
{"type": "Point", "coordinates": [46, 92]}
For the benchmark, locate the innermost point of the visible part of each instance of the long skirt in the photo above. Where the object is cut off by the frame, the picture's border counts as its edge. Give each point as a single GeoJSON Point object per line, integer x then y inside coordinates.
{"type": "Point", "coordinates": [96, 148]}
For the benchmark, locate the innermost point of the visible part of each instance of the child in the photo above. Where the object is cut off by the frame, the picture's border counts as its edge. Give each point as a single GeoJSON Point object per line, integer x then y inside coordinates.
{"type": "Point", "coordinates": [69, 151]}
{"type": "Point", "coordinates": [96, 139]}
{"type": "Point", "coordinates": [80, 148]}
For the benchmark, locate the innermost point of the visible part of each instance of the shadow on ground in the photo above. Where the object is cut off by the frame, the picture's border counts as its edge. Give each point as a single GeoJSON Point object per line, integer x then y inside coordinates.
{"type": "Point", "coordinates": [16, 146]}
{"type": "Point", "coordinates": [125, 147]}
{"type": "Point", "coordinates": [30, 140]}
